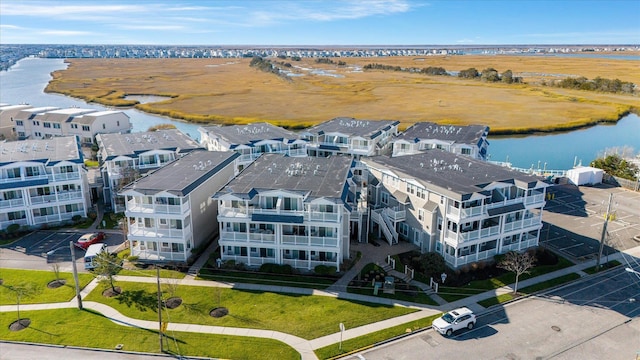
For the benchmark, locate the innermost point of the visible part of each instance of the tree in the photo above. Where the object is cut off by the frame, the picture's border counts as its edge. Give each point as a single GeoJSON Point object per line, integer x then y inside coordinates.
{"type": "Point", "coordinates": [490, 75]}
{"type": "Point", "coordinates": [615, 165]}
{"type": "Point", "coordinates": [470, 73]}
{"type": "Point", "coordinates": [507, 77]}
{"type": "Point", "coordinates": [107, 265]}
{"type": "Point", "coordinates": [24, 290]}
{"type": "Point", "coordinates": [518, 263]}
{"type": "Point", "coordinates": [432, 264]}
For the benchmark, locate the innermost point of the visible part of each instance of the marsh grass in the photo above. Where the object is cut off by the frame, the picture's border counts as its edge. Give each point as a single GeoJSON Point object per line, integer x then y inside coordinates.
{"type": "Point", "coordinates": [214, 91]}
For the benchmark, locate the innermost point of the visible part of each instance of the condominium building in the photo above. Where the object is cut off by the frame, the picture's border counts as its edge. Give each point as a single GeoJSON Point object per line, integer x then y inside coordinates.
{"type": "Point", "coordinates": [285, 210]}
{"type": "Point", "coordinates": [170, 211]}
{"type": "Point", "coordinates": [465, 209]}
{"type": "Point", "coordinates": [48, 122]}
{"type": "Point", "coordinates": [350, 136]}
{"type": "Point", "coordinates": [470, 140]}
{"type": "Point", "coordinates": [7, 125]}
{"type": "Point", "coordinates": [252, 140]}
{"type": "Point", "coordinates": [42, 182]}
{"type": "Point", "coordinates": [125, 157]}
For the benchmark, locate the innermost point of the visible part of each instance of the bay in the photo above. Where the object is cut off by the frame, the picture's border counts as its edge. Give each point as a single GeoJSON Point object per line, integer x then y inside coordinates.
{"type": "Point", "coordinates": [25, 83]}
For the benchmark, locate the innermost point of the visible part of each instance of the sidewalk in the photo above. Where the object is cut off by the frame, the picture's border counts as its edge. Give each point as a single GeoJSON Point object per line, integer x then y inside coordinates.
{"type": "Point", "coordinates": [303, 346]}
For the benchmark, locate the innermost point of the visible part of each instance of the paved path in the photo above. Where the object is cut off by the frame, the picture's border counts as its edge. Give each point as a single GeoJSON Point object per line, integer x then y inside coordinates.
{"type": "Point", "coordinates": [303, 346]}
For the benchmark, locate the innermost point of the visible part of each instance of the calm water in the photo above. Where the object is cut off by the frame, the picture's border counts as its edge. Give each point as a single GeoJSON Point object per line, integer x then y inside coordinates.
{"type": "Point", "coordinates": [25, 82]}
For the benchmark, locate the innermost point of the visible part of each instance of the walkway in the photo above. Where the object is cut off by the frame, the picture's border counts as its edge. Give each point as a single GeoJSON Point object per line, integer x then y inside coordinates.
{"type": "Point", "coordinates": [303, 346]}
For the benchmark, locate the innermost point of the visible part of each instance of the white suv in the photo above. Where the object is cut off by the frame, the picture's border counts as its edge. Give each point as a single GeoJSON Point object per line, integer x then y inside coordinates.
{"type": "Point", "coordinates": [454, 320]}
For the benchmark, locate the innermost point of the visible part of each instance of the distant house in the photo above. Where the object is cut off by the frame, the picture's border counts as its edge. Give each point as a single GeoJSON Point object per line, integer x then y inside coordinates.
{"type": "Point", "coordinates": [465, 209]}
{"type": "Point", "coordinates": [350, 136]}
{"type": "Point", "coordinates": [284, 210]}
{"type": "Point", "coordinates": [124, 157]}
{"type": "Point", "coordinates": [470, 140]}
{"type": "Point", "coordinates": [170, 212]}
{"type": "Point", "coordinates": [48, 122]}
{"type": "Point", "coordinates": [252, 140]}
{"type": "Point", "coordinates": [42, 182]}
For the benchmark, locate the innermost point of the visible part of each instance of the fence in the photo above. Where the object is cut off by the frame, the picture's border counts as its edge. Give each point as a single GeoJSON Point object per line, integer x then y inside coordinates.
{"type": "Point", "coordinates": [625, 183]}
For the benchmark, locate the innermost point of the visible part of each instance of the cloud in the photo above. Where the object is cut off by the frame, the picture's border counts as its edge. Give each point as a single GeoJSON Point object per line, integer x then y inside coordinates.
{"type": "Point", "coordinates": [152, 27]}
{"type": "Point", "coordinates": [64, 33]}
{"type": "Point", "coordinates": [12, 27]}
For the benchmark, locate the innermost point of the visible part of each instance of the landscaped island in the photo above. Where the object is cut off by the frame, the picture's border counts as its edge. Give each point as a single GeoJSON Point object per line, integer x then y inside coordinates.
{"type": "Point", "coordinates": [230, 91]}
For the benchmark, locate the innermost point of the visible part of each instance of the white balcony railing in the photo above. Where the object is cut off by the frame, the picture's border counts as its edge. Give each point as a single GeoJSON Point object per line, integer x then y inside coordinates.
{"type": "Point", "coordinates": [46, 218]}
{"type": "Point", "coordinates": [158, 233]}
{"type": "Point", "coordinates": [64, 176]}
{"type": "Point", "coordinates": [254, 237]}
{"type": "Point", "coordinates": [70, 195]}
{"type": "Point", "coordinates": [244, 212]}
{"type": "Point", "coordinates": [4, 224]}
{"type": "Point", "coordinates": [306, 240]}
{"type": "Point", "coordinates": [462, 260]}
{"type": "Point", "coordinates": [42, 199]}
{"type": "Point", "coordinates": [475, 234]}
{"type": "Point", "coordinates": [12, 203]}
{"type": "Point", "coordinates": [519, 224]}
{"type": "Point", "coordinates": [146, 254]}
{"type": "Point", "coordinates": [134, 206]}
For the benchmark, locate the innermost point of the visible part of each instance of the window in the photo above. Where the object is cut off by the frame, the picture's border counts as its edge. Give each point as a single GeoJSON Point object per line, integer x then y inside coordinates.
{"type": "Point", "coordinates": [86, 128]}
{"type": "Point", "coordinates": [37, 134]}
{"type": "Point", "coordinates": [32, 171]}
{"type": "Point", "coordinates": [75, 126]}
{"type": "Point", "coordinates": [13, 173]}
{"type": "Point", "coordinates": [420, 214]}
{"type": "Point", "coordinates": [47, 125]}
{"type": "Point", "coordinates": [118, 123]}
{"type": "Point", "coordinates": [19, 123]}
{"type": "Point", "coordinates": [466, 151]}
{"type": "Point", "coordinates": [66, 169]}
{"type": "Point", "coordinates": [56, 126]}
{"type": "Point", "coordinates": [104, 126]}
{"type": "Point", "coordinates": [21, 134]}
{"type": "Point", "coordinates": [36, 123]}
{"type": "Point", "coordinates": [384, 198]}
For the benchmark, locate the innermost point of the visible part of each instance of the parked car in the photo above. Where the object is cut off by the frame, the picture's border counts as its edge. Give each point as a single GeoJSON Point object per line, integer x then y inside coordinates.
{"type": "Point", "coordinates": [89, 239]}
{"type": "Point", "coordinates": [454, 320]}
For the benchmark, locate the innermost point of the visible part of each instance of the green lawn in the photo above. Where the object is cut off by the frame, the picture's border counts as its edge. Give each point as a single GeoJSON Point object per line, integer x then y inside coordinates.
{"type": "Point", "coordinates": [530, 289]}
{"type": "Point", "coordinates": [368, 340]}
{"type": "Point", "coordinates": [85, 328]}
{"type": "Point", "coordinates": [164, 273]}
{"type": "Point", "coordinates": [479, 286]}
{"type": "Point", "coordinates": [305, 316]}
{"type": "Point", "coordinates": [611, 264]}
{"type": "Point", "coordinates": [252, 277]}
{"type": "Point", "coordinates": [13, 277]}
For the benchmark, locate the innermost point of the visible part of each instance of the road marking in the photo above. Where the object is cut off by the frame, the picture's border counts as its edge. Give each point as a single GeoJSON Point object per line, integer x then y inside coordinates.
{"type": "Point", "coordinates": [572, 246]}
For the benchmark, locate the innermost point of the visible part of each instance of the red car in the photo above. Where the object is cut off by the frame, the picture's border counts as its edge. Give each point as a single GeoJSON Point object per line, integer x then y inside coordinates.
{"type": "Point", "coordinates": [88, 239]}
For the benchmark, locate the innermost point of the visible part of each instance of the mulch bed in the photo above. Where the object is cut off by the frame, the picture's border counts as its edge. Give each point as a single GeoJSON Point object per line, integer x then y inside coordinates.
{"type": "Point", "coordinates": [173, 302]}
{"type": "Point", "coordinates": [110, 293]}
{"type": "Point", "coordinates": [20, 324]}
{"type": "Point", "coordinates": [56, 283]}
{"type": "Point", "coordinates": [219, 312]}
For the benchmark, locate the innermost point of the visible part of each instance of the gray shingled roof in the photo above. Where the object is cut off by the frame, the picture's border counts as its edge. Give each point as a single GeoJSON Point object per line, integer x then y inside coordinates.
{"type": "Point", "coordinates": [184, 174]}
{"type": "Point", "coordinates": [46, 151]}
{"type": "Point", "coordinates": [114, 145]}
{"type": "Point", "coordinates": [246, 134]}
{"type": "Point", "coordinates": [352, 127]}
{"type": "Point", "coordinates": [469, 134]}
{"type": "Point", "coordinates": [455, 175]}
{"type": "Point", "coordinates": [319, 176]}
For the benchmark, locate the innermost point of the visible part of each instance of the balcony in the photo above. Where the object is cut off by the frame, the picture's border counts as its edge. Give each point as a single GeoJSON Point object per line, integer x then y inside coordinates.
{"type": "Point", "coordinates": [297, 152]}
{"type": "Point", "coordinates": [134, 206]}
{"type": "Point", "coordinates": [305, 240]}
{"type": "Point", "coordinates": [5, 223]}
{"type": "Point", "coordinates": [144, 232]}
{"type": "Point", "coordinates": [42, 199]}
{"type": "Point", "coordinates": [462, 260]}
{"type": "Point", "coordinates": [64, 176]}
{"type": "Point", "coordinates": [306, 264]}
{"type": "Point", "coordinates": [146, 254]}
{"type": "Point", "coordinates": [70, 195]}
{"type": "Point", "coordinates": [12, 203]}
{"type": "Point", "coordinates": [46, 219]}
{"type": "Point", "coordinates": [252, 237]}
{"type": "Point", "coordinates": [320, 216]}
{"type": "Point", "coordinates": [475, 234]}
{"type": "Point", "coordinates": [519, 224]}
{"type": "Point", "coordinates": [534, 199]}
{"type": "Point", "coordinates": [395, 213]}
{"type": "Point", "coordinates": [24, 178]}
{"type": "Point", "coordinates": [70, 214]}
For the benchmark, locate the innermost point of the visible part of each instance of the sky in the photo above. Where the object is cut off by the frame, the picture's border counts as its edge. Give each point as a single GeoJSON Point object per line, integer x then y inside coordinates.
{"type": "Point", "coordinates": [321, 22]}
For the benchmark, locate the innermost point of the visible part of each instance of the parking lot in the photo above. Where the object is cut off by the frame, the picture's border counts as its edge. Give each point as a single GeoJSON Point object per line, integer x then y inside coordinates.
{"type": "Point", "coordinates": [30, 252]}
{"type": "Point", "coordinates": [574, 219]}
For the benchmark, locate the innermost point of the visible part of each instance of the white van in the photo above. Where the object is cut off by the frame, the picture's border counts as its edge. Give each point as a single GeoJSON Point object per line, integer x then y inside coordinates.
{"type": "Point", "coordinates": [92, 251]}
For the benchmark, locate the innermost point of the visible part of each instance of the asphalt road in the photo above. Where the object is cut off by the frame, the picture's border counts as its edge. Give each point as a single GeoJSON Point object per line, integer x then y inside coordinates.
{"type": "Point", "coordinates": [596, 318]}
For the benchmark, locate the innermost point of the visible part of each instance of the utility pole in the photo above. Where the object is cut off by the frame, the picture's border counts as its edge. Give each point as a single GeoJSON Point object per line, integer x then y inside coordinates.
{"type": "Point", "coordinates": [604, 232]}
{"type": "Point", "coordinates": [159, 307]}
{"type": "Point", "coordinates": [75, 274]}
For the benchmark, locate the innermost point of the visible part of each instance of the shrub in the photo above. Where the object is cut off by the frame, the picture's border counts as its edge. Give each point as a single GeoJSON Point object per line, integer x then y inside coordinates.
{"type": "Point", "coordinates": [272, 268]}
{"type": "Point", "coordinates": [76, 218]}
{"type": "Point", "coordinates": [325, 270]}
{"type": "Point", "coordinates": [13, 228]}
{"type": "Point", "coordinates": [133, 258]}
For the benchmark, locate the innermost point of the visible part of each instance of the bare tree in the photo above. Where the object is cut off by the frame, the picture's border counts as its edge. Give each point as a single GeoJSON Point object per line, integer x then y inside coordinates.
{"type": "Point", "coordinates": [24, 290]}
{"type": "Point", "coordinates": [55, 267]}
{"type": "Point", "coordinates": [518, 263]}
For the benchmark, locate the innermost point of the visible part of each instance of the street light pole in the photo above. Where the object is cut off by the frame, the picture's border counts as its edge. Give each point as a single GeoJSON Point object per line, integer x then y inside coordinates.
{"type": "Point", "coordinates": [75, 274]}
{"type": "Point", "coordinates": [604, 232]}
{"type": "Point", "coordinates": [632, 271]}
{"type": "Point", "coordinates": [159, 307]}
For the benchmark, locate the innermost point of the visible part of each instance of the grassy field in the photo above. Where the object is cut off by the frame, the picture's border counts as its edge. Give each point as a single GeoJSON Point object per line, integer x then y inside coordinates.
{"type": "Point", "coordinates": [229, 91]}
{"type": "Point", "coordinates": [306, 316]}
{"type": "Point", "coordinates": [39, 279]}
{"type": "Point", "coordinates": [73, 327]}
